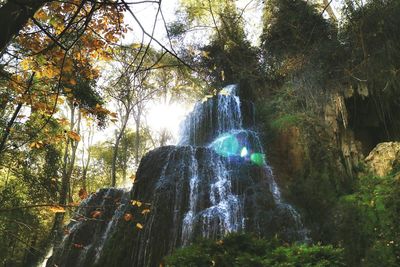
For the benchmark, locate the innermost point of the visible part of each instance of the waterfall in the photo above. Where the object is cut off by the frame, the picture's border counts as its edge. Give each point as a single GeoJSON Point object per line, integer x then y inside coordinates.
{"type": "Point", "coordinates": [236, 145]}
{"type": "Point", "coordinates": [216, 181]}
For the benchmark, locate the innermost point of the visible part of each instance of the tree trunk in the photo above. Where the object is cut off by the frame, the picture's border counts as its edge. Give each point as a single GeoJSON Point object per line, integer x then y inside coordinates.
{"type": "Point", "coordinates": [137, 139]}
{"type": "Point", "coordinates": [14, 14]}
{"type": "Point", "coordinates": [329, 9]}
{"type": "Point", "coordinates": [115, 150]}
{"type": "Point", "coordinates": [74, 147]}
{"type": "Point", "coordinates": [7, 131]}
{"type": "Point", "coordinates": [66, 176]}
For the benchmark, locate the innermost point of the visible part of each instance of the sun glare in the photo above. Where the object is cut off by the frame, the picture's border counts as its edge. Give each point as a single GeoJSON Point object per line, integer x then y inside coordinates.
{"type": "Point", "coordinates": [167, 116]}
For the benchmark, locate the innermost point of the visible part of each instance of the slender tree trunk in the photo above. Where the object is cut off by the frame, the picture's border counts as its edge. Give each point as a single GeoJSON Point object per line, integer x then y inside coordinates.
{"type": "Point", "coordinates": [74, 147]}
{"type": "Point", "coordinates": [66, 176]}
{"type": "Point", "coordinates": [137, 136]}
{"type": "Point", "coordinates": [7, 131]}
{"type": "Point", "coordinates": [124, 163]}
{"type": "Point", "coordinates": [115, 150]}
{"type": "Point", "coordinates": [84, 173]}
{"type": "Point", "coordinates": [86, 163]}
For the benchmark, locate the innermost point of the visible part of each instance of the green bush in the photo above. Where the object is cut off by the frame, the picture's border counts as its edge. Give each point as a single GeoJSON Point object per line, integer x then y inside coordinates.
{"type": "Point", "coordinates": [246, 250]}
{"type": "Point", "coordinates": [369, 229]}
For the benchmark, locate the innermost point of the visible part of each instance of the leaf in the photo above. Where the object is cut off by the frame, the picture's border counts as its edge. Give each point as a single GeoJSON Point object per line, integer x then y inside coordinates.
{"type": "Point", "coordinates": [136, 45]}
{"type": "Point", "coordinates": [75, 245]}
{"type": "Point", "coordinates": [206, 54]}
{"type": "Point", "coordinates": [133, 178]}
{"type": "Point", "coordinates": [128, 217]}
{"type": "Point", "coordinates": [145, 211]}
{"type": "Point", "coordinates": [41, 15]}
{"type": "Point", "coordinates": [57, 209]}
{"type": "Point", "coordinates": [137, 203]}
{"type": "Point", "coordinates": [74, 136]}
{"type": "Point", "coordinates": [139, 226]}
{"type": "Point", "coordinates": [26, 63]}
{"type": "Point", "coordinates": [82, 194]}
{"type": "Point", "coordinates": [96, 214]}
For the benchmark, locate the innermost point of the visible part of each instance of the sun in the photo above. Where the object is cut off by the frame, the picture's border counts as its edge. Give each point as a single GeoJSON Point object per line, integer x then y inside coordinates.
{"type": "Point", "coordinates": [167, 116]}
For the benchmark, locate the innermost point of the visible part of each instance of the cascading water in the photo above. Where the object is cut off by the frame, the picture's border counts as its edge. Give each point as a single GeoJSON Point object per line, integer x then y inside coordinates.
{"type": "Point", "coordinates": [237, 145]}
{"type": "Point", "coordinates": [215, 182]}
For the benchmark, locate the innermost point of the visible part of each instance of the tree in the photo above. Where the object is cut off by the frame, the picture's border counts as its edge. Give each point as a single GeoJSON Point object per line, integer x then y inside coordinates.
{"type": "Point", "coordinates": [229, 57]}
{"type": "Point", "coordinates": [130, 88]}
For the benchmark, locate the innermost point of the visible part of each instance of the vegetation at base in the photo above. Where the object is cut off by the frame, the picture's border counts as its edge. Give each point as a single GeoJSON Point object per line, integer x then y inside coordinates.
{"type": "Point", "coordinates": [367, 221]}
{"type": "Point", "coordinates": [247, 250]}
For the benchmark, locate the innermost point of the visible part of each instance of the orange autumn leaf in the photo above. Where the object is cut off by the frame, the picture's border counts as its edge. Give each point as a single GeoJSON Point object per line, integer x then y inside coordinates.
{"type": "Point", "coordinates": [82, 194]}
{"type": "Point", "coordinates": [75, 245]}
{"type": "Point", "coordinates": [96, 214]}
{"type": "Point", "coordinates": [74, 136]}
{"type": "Point", "coordinates": [128, 217]}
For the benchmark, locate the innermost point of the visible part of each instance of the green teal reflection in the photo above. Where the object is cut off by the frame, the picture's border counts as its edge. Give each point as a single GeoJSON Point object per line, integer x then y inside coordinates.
{"type": "Point", "coordinates": [226, 145]}
{"type": "Point", "coordinates": [257, 158]}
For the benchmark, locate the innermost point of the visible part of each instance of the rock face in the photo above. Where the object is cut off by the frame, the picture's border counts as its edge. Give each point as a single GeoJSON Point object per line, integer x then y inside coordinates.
{"type": "Point", "coordinates": [217, 182]}
{"type": "Point", "coordinates": [383, 158]}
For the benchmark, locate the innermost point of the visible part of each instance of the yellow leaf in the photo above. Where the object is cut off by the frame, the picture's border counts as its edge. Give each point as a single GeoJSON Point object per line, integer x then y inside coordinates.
{"type": "Point", "coordinates": [67, 90]}
{"type": "Point", "coordinates": [139, 226]}
{"type": "Point", "coordinates": [74, 136]}
{"type": "Point", "coordinates": [38, 144]}
{"type": "Point", "coordinates": [137, 203]}
{"type": "Point", "coordinates": [136, 45]}
{"type": "Point", "coordinates": [26, 64]}
{"type": "Point", "coordinates": [57, 208]}
{"type": "Point", "coordinates": [206, 54]}
{"type": "Point", "coordinates": [224, 92]}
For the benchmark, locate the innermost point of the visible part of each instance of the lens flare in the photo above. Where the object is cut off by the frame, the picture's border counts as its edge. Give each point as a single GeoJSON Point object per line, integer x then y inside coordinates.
{"type": "Point", "coordinates": [244, 152]}
{"type": "Point", "coordinates": [226, 145]}
{"type": "Point", "coordinates": [257, 159]}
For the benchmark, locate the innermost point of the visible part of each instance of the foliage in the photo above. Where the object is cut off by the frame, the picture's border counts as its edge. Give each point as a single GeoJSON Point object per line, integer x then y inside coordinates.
{"type": "Point", "coordinates": [229, 57]}
{"type": "Point", "coordinates": [368, 222]}
{"type": "Point", "coordinates": [32, 178]}
{"type": "Point", "coordinates": [371, 36]}
{"type": "Point", "coordinates": [301, 48]}
{"type": "Point", "coordinates": [246, 250]}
